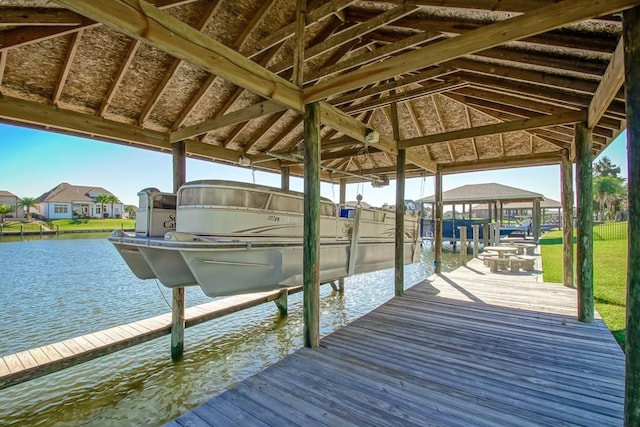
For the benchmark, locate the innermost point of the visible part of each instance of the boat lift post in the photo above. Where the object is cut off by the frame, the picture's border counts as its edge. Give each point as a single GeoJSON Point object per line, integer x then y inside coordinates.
{"type": "Point", "coordinates": [342, 202]}
{"type": "Point", "coordinates": [401, 166]}
{"type": "Point", "coordinates": [178, 298]}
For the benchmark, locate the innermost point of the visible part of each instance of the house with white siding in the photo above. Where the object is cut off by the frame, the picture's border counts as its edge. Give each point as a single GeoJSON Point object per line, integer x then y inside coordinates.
{"type": "Point", "coordinates": [77, 201]}
{"type": "Point", "coordinates": [10, 199]}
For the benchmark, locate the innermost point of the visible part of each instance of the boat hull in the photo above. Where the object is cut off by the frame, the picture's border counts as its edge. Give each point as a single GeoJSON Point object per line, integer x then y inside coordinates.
{"type": "Point", "coordinates": [235, 268]}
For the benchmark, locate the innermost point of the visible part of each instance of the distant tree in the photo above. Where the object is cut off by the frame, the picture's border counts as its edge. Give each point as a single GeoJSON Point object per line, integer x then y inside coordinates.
{"type": "Point", "coordinates": [4, 209]}
{"type": "Point", "coordinates": [28, 203]}
{"type": "Point", "coordinates": [604, 167]}
{"type": "Point", "coordinates": [111, 199]}
{"type": "Point", "coordinates": [606, 191]}
{"type": "Point", "coordinates": [131, 210]}
{"type": "Point", "coordinates": [101, 199]}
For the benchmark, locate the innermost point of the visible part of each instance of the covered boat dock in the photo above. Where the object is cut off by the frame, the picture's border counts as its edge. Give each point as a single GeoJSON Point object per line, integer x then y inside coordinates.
{"type": "Point", "coordinates": [354, 91]}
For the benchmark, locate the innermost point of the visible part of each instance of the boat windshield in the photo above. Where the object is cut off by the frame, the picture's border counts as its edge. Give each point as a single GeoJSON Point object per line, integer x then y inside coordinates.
{"type": "Point", "coordinates": [216, 196]}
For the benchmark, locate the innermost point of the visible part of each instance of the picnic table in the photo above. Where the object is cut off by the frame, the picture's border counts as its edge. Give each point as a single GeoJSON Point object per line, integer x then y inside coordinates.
{"type": "Point", "coordinates": [506, 257]}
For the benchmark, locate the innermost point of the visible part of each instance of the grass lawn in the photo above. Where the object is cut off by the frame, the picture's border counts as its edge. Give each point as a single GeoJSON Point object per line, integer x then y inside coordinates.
{"type": "Point", "coordinates": [92, 224]}
{"type": "Point", "coordinates": [609, 277]}
{"type": "Point", "coordinates": [15, 226]}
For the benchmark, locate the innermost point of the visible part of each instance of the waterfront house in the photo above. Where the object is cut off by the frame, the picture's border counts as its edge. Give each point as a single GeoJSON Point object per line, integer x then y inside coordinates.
{"type": "Point", "coordinates": [73, 201]}
{"type": "Point", "coordinates": [10, 199]}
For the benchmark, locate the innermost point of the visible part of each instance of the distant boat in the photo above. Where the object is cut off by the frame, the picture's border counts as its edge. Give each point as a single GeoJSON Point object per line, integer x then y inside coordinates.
{"type": "Point", "coordinates": [232, 238]}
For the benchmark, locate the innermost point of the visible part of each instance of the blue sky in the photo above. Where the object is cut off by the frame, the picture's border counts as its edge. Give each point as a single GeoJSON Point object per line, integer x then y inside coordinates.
{"type": "Point", "coordinates": [33, 162]}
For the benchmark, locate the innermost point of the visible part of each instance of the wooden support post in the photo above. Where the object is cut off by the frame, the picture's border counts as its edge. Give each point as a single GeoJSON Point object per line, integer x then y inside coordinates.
{"type": "Point", "coordinates": [178, 297]}
{"type": "Point", "coordinates": [476, 242]}
{"type": "Point", "coordinates": [311, 249]}
{"type": "Point", "coordinates": [584, 252]}
{"type": "Point", "coordinates": [463, 244]}
{"type": "Point", "coordinates": [282, 303]}
{"type": "Point", "coordinates": [284, 178]}
{"type": "Point", "coordinates": [496, 233]}
{"type": "Point", "coordinates": [489, 211]}
{"type": "Point", "coordinates": [486, 232]}
{"type": "Point", "coordinates": [566, 173]}
{"type": "Point", "coordinates": [438, 223]}
{"type": "Point", "coordinates": [501, 213]}
{"type": "Point", "coordinates": [342, 202]}
{"type": "Point", "coordinates": [631, 35]}
{"type": "Point", "coordinates": [536, 220]}
{"type": "Point", "coordinates": [401, 167]}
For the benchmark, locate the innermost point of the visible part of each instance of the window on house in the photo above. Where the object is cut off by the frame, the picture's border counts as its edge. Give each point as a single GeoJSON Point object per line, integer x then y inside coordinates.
{"type": "Point", "coordinates": [98, 209]}
{"type": "Point", "coordinates": [60, 209]}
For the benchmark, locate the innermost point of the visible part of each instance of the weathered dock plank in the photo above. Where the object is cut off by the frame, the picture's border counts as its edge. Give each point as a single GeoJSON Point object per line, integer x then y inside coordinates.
{"type": "Point", "coordinates": [465, 348]}
{"type": "Point", "coordinates": [33, 363]}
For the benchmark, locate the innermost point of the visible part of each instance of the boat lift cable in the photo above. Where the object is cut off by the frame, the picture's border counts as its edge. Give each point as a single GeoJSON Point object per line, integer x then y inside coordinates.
{"type": "Point", "coordinates": [297, 158]}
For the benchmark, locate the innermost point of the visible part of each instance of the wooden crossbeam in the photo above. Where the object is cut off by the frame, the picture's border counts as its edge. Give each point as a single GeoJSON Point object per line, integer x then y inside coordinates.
{"type": "Point", "coordinates": [531, 23]}
{"type": "Point", "coordinates": [140, 20]}
{"type": "Point", "coordinates": [38, 16]}
{"type": "Point", "coordinates": [610, 84]}
{"type": "Point", "coordinates": [495, 128]}
{"type": "Point", "coordinates": [23, 36]}
{"type": "Point", "coordinates": [238, 116]}
{"type": "Point", "coordinates": [55, 119]}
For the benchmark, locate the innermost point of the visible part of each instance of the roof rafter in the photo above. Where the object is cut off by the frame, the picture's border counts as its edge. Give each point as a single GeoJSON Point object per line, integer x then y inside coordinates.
{"type": "Point", "coordinates": [173, 68]}
{"type": "Point", "coordinates": [142, 21]}
{"type": "Point", "coordinates": [534, 22]}
{"type": "Point", "coordinates": [62, 78]}
{"type": "Point", "coordinates": [609, 86]}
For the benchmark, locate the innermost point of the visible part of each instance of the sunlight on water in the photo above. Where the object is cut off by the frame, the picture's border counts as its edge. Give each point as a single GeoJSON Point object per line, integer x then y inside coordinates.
{"type": "Point", "coordinates": [55, 289]}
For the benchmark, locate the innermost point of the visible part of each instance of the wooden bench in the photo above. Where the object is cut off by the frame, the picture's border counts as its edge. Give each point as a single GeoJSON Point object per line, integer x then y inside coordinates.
{"type": "Point", "coordinates": [528, 262]}
{"type": "Point", "coordinates": [525, 247]}
{"type": "Point", "coordinates": [513, 264]}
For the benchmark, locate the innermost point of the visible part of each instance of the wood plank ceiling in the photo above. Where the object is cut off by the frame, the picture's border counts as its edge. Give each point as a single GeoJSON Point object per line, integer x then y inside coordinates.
{"type": "Point", "coordinates": [479, 84]}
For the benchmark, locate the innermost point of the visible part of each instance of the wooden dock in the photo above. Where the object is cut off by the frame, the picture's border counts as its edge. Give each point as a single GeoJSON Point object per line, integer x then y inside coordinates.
{"type": "Point", "coordinates": [29, 364]}
{"type": "Point", "coordinates": [466, 348]}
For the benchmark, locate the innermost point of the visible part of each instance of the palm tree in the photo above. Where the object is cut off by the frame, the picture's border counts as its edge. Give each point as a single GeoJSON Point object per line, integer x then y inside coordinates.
{"type": "Point", "coordinates": [4, 209]}
{"type": "Point", "coordinates": [101, 199]}
{"type": "Point", "coordinates": [606, 190]}
{"type": "Point", "coordinates": [28, 203]}
{"type": "Point", "coordinates": [112, 199]}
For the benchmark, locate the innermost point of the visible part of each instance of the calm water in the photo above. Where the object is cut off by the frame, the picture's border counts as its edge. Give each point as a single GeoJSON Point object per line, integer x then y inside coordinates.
{"type": "Point", "coordinates": [55, 289]}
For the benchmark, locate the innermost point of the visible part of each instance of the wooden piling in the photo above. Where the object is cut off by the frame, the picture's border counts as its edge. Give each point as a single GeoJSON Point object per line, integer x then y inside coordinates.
{"type": "Point", "coordinates": [486, 232]}
{"type": "Point", "coordinates": [631, 35]}
{"type": "Point", "coordinates": [178, 297]}
{"type": "Point", "coordinates": [284, 178]}
{"type": "Point", "coordinates": [311, 249]}
{"type": "Point", "coordinates": [342, 202]}
{"type": "Point", "coordinates": [463, 245]}
{"type": "Point", "coordinates": [282, 302]}
{"type": "Point", "coordinates": [437, 229]}
{"type": "Point", "coordinates": [476, 236]}
{"type": "Point", "coordinates": [566, 172]}
{"type": "Point", "coordinates": [584, 252]}
{"type": "Point", "coordinates": [536, 220]}
{"type": "Point", "coordinates": [400, 186]}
